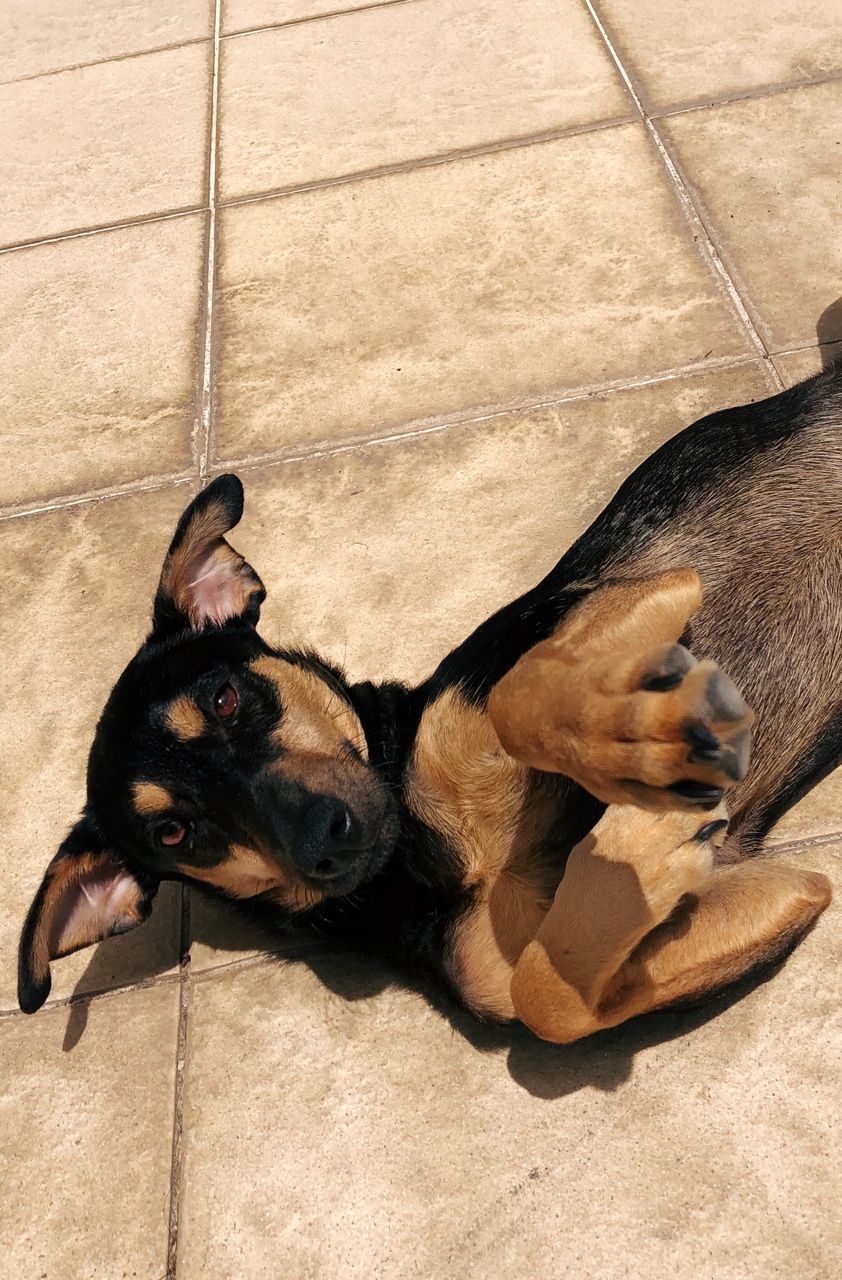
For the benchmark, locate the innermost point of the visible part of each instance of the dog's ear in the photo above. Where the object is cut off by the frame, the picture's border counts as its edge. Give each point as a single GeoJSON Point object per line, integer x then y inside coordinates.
{"type": "Point", "coordinates": [87, 894]}
{"type": "Point", "coordinates": [204, 581]}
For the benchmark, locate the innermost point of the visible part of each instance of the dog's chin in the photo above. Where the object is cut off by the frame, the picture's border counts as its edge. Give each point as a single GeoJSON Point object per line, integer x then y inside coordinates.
{"type": "Point", "coordinates": [370, 862]}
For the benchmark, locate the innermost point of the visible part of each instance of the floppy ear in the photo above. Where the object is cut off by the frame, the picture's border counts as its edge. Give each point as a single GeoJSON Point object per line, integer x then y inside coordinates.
{"type": "Point", "coordinates": [204, 581]}
{"type": "Point", "coordinates": [86, 895]}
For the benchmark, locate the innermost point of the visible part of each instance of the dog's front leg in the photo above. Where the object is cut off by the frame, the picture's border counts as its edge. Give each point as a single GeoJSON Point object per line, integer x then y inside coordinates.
{"type": "Point", "coordinates": [613, 701]}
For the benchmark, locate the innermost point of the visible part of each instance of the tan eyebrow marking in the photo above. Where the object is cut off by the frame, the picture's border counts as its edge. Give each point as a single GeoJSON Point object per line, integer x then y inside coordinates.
{"type": "Point", "coordinates": [150, 798]}
{"type": "Point", "coordinates": [184, 719]}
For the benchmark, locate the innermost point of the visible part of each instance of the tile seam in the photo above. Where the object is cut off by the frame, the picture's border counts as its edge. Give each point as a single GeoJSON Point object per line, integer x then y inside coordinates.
{"type": "Point", "coordinates": [103, 228]}
{"type": "Point", "coordinates": [743, 95]}
{"type": "Point", "coordinates": [511, 143]}
{"type": "Point", "coordinates": [692, 214]}
{"type": "Point", "coordinates": [418, 427]}
{"type": "Point", "coordinates": [421, 427]}
{"type": "Point", "coordinates": [206, 406]}
{"type": "Point", "coordinates": [184, 992]}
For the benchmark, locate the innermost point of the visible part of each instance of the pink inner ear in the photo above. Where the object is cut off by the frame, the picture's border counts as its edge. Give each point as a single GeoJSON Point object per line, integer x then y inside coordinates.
{"type": "Point", "coordinates": [216, 586]}
{"type": "Point", "coordinates": [102, 902]}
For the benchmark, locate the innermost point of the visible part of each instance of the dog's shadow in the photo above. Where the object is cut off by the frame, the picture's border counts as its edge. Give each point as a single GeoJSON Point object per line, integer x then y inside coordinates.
{"type": "Point", "coordinates": [604, 1061]}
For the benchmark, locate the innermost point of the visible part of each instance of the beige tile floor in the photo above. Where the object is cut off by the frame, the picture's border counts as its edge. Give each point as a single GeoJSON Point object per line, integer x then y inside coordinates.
{"type": "Point", "coordinates": [434, 277]}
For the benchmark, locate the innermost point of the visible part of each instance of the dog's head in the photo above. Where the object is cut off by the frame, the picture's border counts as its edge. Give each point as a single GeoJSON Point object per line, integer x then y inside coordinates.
{"type": "Point", "coordinates": [216, 760]}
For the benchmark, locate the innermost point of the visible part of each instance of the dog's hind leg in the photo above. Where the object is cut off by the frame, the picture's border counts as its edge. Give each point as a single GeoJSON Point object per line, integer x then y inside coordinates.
{"type": "Point", "coordinates": [642, 920]}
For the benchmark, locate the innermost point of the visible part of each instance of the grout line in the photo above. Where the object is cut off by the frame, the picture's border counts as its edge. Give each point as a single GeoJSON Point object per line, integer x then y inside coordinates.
{"type": "Point", "coordinates": [315, 17]}
{"type": "Point", "coordinates": [688, 206]}
{"type": "Point", "coordinates": [95, 995]}
{"type": "Point", "coordinates": [178, 1099]}
{"type": "Point", "coordinates": [101, 62]}
{"type": "Point", "coordinates": [101, 228]}
{"type": "Point", "coordinates": [805, 842]}
{"type": "Point", "coordinates": [428, 426]}
{"type": "Point", "coordinates": [205, 425]}
{"type": "Point", "coordinates": [438, 158]}
{"type": "Point", "coordinates": [450, 157]}
{"type": "Point", "coordinates": [418, 427]}
{"type": "Point", "coordinates": [743, 95]}
{"type": "Point", "coordinates": [296, 951]}
{"type": "Point", "coordinates": [150, 485]}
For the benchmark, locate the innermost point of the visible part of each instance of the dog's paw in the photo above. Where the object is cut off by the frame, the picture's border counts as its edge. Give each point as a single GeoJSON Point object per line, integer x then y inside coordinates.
{"type": "Point", "coordinates": [613, 701]}
{"type": "Point", "coordinates": [680, 734]}
{"type": "Point", "coordinates": [671, 854]}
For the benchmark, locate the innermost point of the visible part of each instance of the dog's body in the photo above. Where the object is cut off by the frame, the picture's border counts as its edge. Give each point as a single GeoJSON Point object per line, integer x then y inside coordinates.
{"type": "Point", "coordinates": [395, 816]}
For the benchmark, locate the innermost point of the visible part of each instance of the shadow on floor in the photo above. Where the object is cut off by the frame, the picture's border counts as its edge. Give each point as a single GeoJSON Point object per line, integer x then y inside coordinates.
{"type": "Point", "coordinates": [829, 330]}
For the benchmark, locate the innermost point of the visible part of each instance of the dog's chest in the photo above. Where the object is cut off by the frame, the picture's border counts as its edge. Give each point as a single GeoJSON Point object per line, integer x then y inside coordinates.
{"type": "Point", "coordinates": [501, 821]}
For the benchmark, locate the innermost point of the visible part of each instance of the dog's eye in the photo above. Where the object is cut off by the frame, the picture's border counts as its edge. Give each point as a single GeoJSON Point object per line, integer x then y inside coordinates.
{"type": "Point", "coordinates": [171, 831]}
{"type": "Point", "coordinates": [225, 702]}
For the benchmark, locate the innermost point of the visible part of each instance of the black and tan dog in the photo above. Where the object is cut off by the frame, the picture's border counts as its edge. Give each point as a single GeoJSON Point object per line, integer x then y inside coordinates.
{"type": "Point", "coordinates": [528, 822]}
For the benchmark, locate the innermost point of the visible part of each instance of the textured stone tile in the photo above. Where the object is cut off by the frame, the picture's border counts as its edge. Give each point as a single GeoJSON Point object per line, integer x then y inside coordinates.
{"type": "Point", "coordinates": [795, 366]}
{"type": "Point", "coordinates": [386, 557]}
{"type": "Point", "coordinates": [49, 35]}
{"type": "Point", "coordinates": [818, 814]}
{"type": "Point", "coordinates": [77, 588]}
{"type": "Point", "coordinates": [386, 1141]}
{"type": "Point", "coordinates": [358, 308]}
{"type": "Point", "coordinates": [683, 52]}
{"type": "Point", "coordinates": [98, 362]}
{"type": "Point", "coordinates": [243, 15]}
{"type": "Point", "coordinates": [219, 936]}
{"type": "Point", "coordinates": [86, 1137]}
{"type": "Point", "coordinates": [103, 144]}
{"type": "Point", "coordinates": [305, 102]}
{"type": "Point", "coordinates": [769, 173]}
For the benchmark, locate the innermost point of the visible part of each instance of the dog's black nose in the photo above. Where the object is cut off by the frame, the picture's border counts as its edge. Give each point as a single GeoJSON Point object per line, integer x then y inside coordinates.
{"type": "Point", "coordinates": [327, 839]}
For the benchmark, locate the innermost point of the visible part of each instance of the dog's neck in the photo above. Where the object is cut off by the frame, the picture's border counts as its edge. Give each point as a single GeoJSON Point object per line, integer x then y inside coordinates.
{"type": "Point", "coordinates": [389, 714]}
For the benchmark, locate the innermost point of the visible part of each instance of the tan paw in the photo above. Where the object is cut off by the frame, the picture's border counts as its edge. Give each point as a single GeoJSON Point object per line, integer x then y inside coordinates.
{"type": "Point", "coordinates": [671, 854]}
{"type": "Point", "coordinates": [613, 701]}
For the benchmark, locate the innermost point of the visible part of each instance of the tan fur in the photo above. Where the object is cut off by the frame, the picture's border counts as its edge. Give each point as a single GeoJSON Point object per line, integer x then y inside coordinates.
{"type": "Point", "coordinates": [184, 719]}
{"type": "Point", "coordinates": [149, 798]}
{"type": "Point", "coordinates": [316, 721]}
{"type": "Point", "coordinates": [243, 874]}
{"type": "Point", "coordinates": [573, 704]}
{"type": "Point", "coordinates": [463, 785]}
{"type": "Point", "coordinates": [247, 872]}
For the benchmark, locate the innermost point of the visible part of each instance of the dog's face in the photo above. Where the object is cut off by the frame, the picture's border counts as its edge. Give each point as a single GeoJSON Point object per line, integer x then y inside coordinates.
{"type": "Point", "coordinates": [216, 760]}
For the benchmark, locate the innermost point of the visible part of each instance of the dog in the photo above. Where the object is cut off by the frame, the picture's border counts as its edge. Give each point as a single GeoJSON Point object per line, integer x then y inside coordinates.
{"type": "Point", "coordinates": [541, 823]}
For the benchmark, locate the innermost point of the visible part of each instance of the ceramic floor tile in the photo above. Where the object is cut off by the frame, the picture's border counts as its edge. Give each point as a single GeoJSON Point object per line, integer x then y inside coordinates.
{"type": "Point", "coordinates": [86, 1138]}
{"type": "Point", "coordinates": [387, 556]}
{"type": "Point", "coordinates": [98, 362]}
{"type": "Point", "coordinates": [398, 82]}
{"type": "Point", "coordinates": [818, 814]}
{"type": "Point", "coordinates": [244, 15]}
{"type": "Point", "coordinates": [683, 53]}
{"type": "Point", "coordinates": [769, 173]}
{"type": "Point", "coordinates": [795, 366]}
{"type": "Point", "coordinates": [77, 587]}
{"type": "Point", "coordinates": [103, 144]}
{"type": "Point", "coordinates": [355, 309]}
{"type": "Point", "coordinates": [35, 38]}
{"type": "Point", "coordinates": [220, 937]}
{"type": "Point", "coordinates": [387, 1141]}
